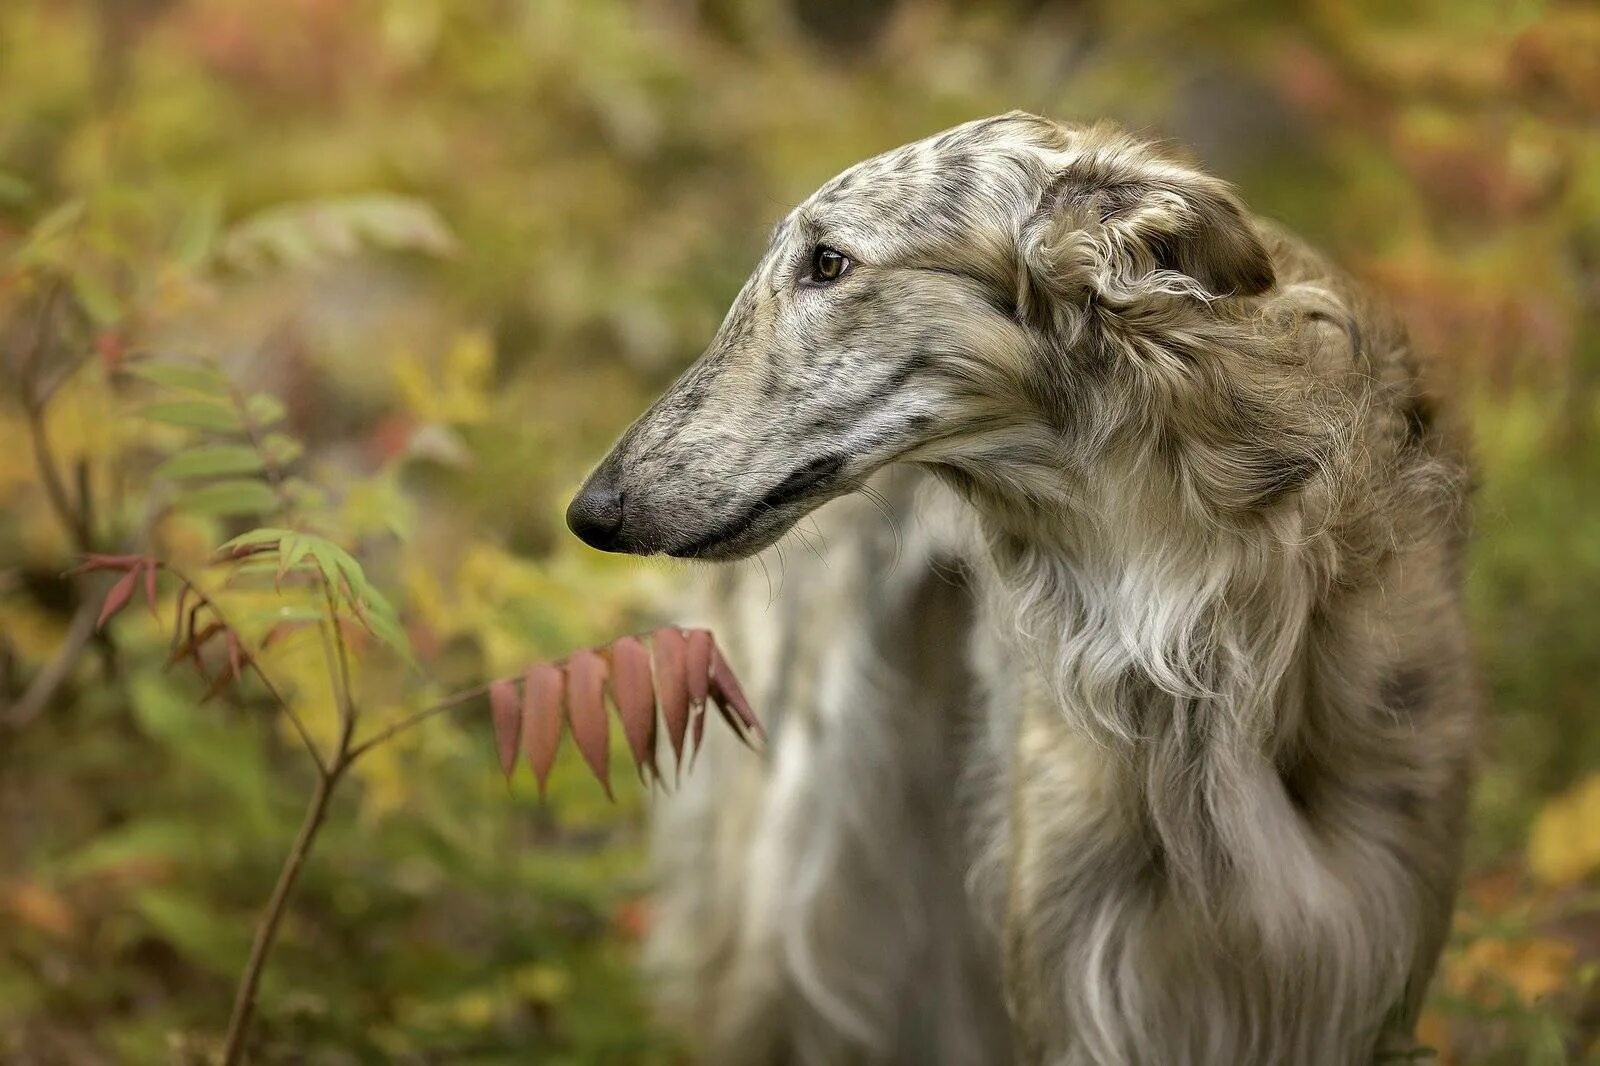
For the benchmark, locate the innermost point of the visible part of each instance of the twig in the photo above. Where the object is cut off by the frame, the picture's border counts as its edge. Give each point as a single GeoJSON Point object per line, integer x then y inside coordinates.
{"type": "Point", "coordinates": [34, 405]}
{"type": "Point", "coordinates": [244, 1001]}
{"type": "Point", "coordinates": [48, 680]}
{"type": "Point", "coordinates": [347, 706]}
{"type": "Point", "coordinates": [76, 518]}
{"type": "Point", "coordinates": [449, 703]}
{"type": "Point", "coordinates": [327, 780]}
{"type": "Point", "coordinates": [43, 393]}
{"type": "Point", "coordinates": [55, 489]}
{"type": "Point", "coordinates": [724, 689]}
{"type": "Point", "coordinates": [328, 777]}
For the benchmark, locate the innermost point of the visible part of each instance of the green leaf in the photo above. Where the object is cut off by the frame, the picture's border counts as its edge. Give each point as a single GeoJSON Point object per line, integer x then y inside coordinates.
{"type": "Point", "coordinates": [389, 630]}
{"type": "Point", "coordinates": [191, 922]}
{"type": "Point", "coordinates": [264, 535]}
{"type": "Point", "coordinates": [141, 840]}
{"type": "Point", "coordinates": [309, 232]}
{"type": "Point", "coordinates": [99, 302]}
{"type": "Point", "coordinates": [352, 588]}
{"type": "Point", "coordinates": [211, 460]}
{"type": "Point", "coordinates": [305, 494]}
{"type": "Point", "coordinates": [264, 409]}
{"type": "Point", "coordinates": [208, 746]}
{"type": "Point", "coordinates": [236, 497]}
{"type": "Point", "coordinates": [377, 601]}
{"type": "Point", "coordinates": [51, 228]}
{"type": "Point", "coordinates": [264, 565]}
{"type": "Point", "coordinates": [345, 566]}
{"type": "Point", "coordinates": [292, 551]}
{"type": "Point", "coordinates": [194, 376]}
{"type": "Point", "coordinates": [286, 614]}
{"type": "Point", "coordinates": [282, 449]}
{"type": "Point", "coordinates": [324, 554]}
{"type": "Point", "coordinates": [13, 190]}
{"type": "Point", "coordinates": [196, 414]}
{"type": "Point", "coordinates": [197, 231]}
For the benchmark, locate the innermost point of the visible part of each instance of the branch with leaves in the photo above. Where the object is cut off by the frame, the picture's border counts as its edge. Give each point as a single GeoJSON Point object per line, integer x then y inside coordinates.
{"type": "Point", "coordinates": [657, 691]}
{"type": "Point", "coordinates": [659, 685]}
{"type": "Point", "coordinates": [227, 461]}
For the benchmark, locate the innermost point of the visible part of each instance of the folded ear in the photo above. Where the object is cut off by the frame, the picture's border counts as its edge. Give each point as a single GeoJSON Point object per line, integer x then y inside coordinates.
{"type": "Point", "coordinates": [1123, 224]}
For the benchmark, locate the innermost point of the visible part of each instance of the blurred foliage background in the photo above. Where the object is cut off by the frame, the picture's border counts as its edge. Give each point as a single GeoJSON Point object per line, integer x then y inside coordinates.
{"type": "Point", "coordinates": [464, 241]}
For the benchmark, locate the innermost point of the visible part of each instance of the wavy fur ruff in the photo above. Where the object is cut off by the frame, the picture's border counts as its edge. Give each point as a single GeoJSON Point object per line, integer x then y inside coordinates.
{"type": "Point", "coordinates": [1120, 701]}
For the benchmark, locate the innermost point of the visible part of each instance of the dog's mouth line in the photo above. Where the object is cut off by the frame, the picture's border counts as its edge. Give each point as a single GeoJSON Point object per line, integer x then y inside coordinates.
{"type": "Point", "coordinates": [800, 482]}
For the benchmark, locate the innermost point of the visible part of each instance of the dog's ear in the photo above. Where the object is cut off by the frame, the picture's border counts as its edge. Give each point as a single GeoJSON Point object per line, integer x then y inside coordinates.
{"type": "Point", "coordinates": [1118, 227]}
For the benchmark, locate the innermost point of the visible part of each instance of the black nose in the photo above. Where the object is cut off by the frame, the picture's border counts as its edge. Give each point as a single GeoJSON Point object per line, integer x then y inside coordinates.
{"type": "Point", "coordinates": [595, 514]}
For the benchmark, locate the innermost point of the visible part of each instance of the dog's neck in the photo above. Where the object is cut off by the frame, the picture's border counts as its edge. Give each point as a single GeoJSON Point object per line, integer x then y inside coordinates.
{"type": "Point", "coordinates": [1179, 646]}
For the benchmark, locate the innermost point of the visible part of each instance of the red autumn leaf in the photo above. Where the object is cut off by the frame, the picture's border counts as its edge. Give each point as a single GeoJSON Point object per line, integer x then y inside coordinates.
{"type": "Point", "coordinates": [697, 659]}
{"type": "Point", "coordinates": [697, 734]}
{"type": "Point", "coordinates": [355, 634]}
{"type": "Point", "coordinates": [633, 691]}
{"type": "Point", "coordinates": [219, 684]}
{"type": "Point", "coordinates": [186, 632]}
{"type": "Point", "coordinates": [507, 722]}
{"type": "Point", "coordinates": [730, 698]}
{"type": "Point", "coordinates": [279, 631]}
{"type": "Point", "coordinates": [117, 598]}
{"type": "Point", "coordinates": [586, 674]}
{"type": "Point", "coordinates": [150, 588]}
{"type": "Point", "coordinates": [177, 618]}
{"type": "Point", "coordinates": [697, 655]}
{"type": "Point", "coordinates": [680, 670]}
{"type": "Point", "coordinates": [100, 561]}
{"type": "Point", "coordinates": [541, 719]}
{"type": "Point", "coordinates": [632, 918]}
{"type": "Point", "coordinates": [111, 347]}
{"type": "Point", "coordinates": [672, 685]}
{"type": "Point", "coordinates": [197, 641]}
{"type": "Point", "coordinates": [190, 648]}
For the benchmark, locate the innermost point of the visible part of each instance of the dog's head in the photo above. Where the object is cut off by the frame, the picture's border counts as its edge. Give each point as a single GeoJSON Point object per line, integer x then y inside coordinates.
{"type": "Point", "coordinates": [942, 303]}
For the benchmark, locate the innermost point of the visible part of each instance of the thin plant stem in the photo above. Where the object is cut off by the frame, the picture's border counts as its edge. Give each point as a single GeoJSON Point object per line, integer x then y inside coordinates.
{"type": "Point", "coordinates": [347, 706]}
{"type": "Point", "coordinates": [55, 489]}
{"type": "Point", "coordinates": [52, 677]}
{"type": "Point", "coordinates": [328, 778]}
{"type": "Point", "coordinates": [244, 1001]}
{"type": "Point", "coordinates": [449, 703]}
{"type": "Point", "coordinates": [35, 405]}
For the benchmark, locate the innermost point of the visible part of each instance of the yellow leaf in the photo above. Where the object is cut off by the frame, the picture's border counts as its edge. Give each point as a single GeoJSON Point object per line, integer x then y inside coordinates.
{"type": "Point", "coordinates": [39, 907]}
{"type": "Point", "coordinates": [1491, 967]}
{"type": "Point", "coordinates": [1564, 846]}
{"type": "Point", "coordinates": [415, 385]}
{"type": "Point", "coordinates": [474, 1010]}
{"type": "Point", "coordinates": [467, 368]}
{"type": "Point", "coordinates": [459, 393]}
{"type": "Point", "coordinates": [34, 634]}
{"type": "Point", "coordinates": [387, 784]}
{"type": "Point", "coordinates": [303, 674]}
{"type": "Point", "coordinates": [1433, 1031]}
{"type": "Point", "coordinates": [542, 983]}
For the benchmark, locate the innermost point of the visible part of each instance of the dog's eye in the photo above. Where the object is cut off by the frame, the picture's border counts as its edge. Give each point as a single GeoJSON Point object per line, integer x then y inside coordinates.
{"type": "Point", "coordinates": [828, 265]}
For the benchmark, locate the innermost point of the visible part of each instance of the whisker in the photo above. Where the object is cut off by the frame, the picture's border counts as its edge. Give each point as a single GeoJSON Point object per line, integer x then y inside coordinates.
{"type": "Point", "coordinates": [882, 506]}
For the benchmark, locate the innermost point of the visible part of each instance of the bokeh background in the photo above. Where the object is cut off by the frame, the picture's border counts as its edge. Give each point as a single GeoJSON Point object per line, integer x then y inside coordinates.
{"type": "Point", "coordinates": [464, 241]}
